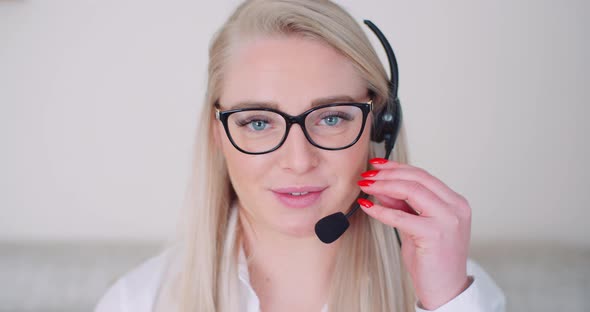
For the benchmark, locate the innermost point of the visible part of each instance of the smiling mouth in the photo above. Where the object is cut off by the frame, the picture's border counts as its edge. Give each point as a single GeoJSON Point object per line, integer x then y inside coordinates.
{"type": "Point", "coordinates": [299, 194]}
{"type": "Point", "coordinates": [299, 198]}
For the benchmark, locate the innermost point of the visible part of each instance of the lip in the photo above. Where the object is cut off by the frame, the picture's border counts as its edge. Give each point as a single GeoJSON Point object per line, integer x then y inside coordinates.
{"type": "Point", "coordinates": [301, 201]}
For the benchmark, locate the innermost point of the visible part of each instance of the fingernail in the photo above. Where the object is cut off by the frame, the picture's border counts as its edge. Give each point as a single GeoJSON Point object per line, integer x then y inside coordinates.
{"type": "Point", "coordinates": [365, 202]}
{"type": "Point", "coordinates": [378, 161]}
{"type": "Point", "coordinates": [365, 182]}
{"type": "Point", "coordinates": [370, 173]}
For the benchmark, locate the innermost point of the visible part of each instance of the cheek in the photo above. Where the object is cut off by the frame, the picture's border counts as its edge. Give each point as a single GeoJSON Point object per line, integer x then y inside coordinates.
{"type": "Point", "coordinates": [244, 170]}
{"type": "Point", "coordinates": [359, 160]}
{"type": "Point", "coordinates": [359, 154]}
{"type": "Point", "coordinates": [352, 162]}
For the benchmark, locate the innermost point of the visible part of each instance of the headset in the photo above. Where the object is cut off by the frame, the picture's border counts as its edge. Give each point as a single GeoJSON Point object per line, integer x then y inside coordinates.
{"type": "Point", "coordinates": [386, 125]}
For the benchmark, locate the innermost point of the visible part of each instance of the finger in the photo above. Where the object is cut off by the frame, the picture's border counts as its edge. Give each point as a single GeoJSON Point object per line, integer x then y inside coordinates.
{"type": "Point", "coordinates": [420, 198]}
{"type": "Point", "coordinates": [386, 163]}
{"type": "Point", "coordinates": [411, 225]}
{"type": "Point", "coordinates": [405, 172]}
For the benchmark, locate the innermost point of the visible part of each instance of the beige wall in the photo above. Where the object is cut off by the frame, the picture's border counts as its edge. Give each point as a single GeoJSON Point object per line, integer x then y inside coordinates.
{"type": "Point", "coordinates": [98, 102]}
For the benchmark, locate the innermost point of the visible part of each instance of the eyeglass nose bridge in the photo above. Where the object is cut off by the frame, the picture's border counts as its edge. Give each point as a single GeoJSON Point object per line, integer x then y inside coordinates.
{"type": "Point", "coordinates": [300, 120]}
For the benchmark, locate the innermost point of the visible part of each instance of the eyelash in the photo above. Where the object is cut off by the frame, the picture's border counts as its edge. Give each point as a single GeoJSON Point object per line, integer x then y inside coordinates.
{"type": "Point", "coordinates": [245, 122]}
{"type": "Point", "coordinates": [342, 115]}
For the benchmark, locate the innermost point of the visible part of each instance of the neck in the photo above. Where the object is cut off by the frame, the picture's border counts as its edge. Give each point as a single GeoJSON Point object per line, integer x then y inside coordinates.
{"type": "Point", "coordinates": [286, 270]}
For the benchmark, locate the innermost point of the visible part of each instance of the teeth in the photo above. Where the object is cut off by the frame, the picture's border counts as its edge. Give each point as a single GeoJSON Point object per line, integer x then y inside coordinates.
{"type": "Point", "coordinates": [299, 194]}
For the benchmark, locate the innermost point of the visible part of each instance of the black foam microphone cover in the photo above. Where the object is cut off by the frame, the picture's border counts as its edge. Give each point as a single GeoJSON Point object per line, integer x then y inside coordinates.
{"type": "Point", "coordinates": [331, 227]}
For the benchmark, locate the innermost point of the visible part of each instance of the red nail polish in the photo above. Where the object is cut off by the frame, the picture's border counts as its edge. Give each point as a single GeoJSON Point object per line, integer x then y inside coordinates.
{"type": "Point", "coordinates": [365, 182]}
{"type": "Point", "coordinates": [364, 202]}
{"type": "Point", "coordinates": [370, 173]}
{"type": "Point", "coordinates": [378, 161]}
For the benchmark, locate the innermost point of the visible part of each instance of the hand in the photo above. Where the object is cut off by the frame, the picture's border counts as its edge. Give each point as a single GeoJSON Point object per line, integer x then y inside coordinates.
{"type": "Point", "coordinates": [434, 224]}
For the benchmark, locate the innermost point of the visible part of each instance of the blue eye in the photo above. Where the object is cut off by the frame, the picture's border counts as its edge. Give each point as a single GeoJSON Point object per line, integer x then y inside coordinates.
{"type": "Point", "coordinates": [334, 118]}
{"type": "Point", "coordinates": [253, 123]}
{"type": "Point", "coordinates": [258, 125]}
{"type": "Point", "coordinates": [331, 120]}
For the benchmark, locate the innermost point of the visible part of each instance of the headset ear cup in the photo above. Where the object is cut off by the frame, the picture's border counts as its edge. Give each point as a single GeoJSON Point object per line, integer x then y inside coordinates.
{"type": "Point", "coordinates": [377, 129]}
{"type": "Point", "coordinates": [396, 122]}
{"type": "Point", "coordinates": [387, 123]}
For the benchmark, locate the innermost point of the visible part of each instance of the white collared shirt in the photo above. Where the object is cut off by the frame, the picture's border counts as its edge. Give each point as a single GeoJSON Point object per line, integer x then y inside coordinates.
{"type": "Point", "coordinates": [137, 290]}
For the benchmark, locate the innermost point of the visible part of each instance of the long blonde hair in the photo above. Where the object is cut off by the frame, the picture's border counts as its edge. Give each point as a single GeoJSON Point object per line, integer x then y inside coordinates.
{"type": "Point", "coordinates": [369, 275]}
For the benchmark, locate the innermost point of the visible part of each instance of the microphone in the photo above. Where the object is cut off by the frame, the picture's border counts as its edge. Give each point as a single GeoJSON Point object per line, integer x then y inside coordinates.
{"type": "Point", "coordinates": [331, 227]}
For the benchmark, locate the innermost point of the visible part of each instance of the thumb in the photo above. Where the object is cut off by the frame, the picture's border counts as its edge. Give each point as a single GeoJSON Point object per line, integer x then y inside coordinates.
{"type": "Point", "coordinates": [394, 203]}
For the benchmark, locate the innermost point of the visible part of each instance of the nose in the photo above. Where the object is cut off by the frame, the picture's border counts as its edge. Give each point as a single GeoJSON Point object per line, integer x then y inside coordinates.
{"type": "Point", "coordinates": [296, 153]}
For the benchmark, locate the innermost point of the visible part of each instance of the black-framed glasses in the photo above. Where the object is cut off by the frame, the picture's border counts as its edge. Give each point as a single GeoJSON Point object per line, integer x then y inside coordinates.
{"type": "Point", "coordinates": [257, 131]}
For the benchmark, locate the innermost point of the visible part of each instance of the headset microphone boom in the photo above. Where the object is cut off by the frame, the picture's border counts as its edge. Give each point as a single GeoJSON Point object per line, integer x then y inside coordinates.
{"type": "Point", "coordinates": [386, 126]}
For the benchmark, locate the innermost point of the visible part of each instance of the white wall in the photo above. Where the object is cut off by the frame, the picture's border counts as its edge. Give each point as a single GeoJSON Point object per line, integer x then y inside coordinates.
{"type": "Point", "coordinates": [98, 103]}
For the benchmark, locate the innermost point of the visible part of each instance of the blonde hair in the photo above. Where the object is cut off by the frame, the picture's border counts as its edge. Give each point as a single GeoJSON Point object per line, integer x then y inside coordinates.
{"type": "Point", "coordinates": [369, 275]}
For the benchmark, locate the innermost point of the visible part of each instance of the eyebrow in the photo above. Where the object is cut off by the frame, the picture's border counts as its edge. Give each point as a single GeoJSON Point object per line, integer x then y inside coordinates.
{"type": "Point", "coordinates": [274, 105]}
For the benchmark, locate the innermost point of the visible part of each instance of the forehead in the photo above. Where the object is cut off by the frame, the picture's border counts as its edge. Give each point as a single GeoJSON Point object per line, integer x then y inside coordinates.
{"type": "Point", "coordinates": [289, 71]}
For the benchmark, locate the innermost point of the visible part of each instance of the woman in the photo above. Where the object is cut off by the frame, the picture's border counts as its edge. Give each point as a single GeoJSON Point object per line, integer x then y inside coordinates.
{"type": "Point", "coordinates": [260, 186]}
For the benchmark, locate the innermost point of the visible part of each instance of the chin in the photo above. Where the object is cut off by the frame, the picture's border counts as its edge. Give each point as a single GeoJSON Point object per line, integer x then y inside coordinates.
{"type": "Point", "coordinates": [297, 228]}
